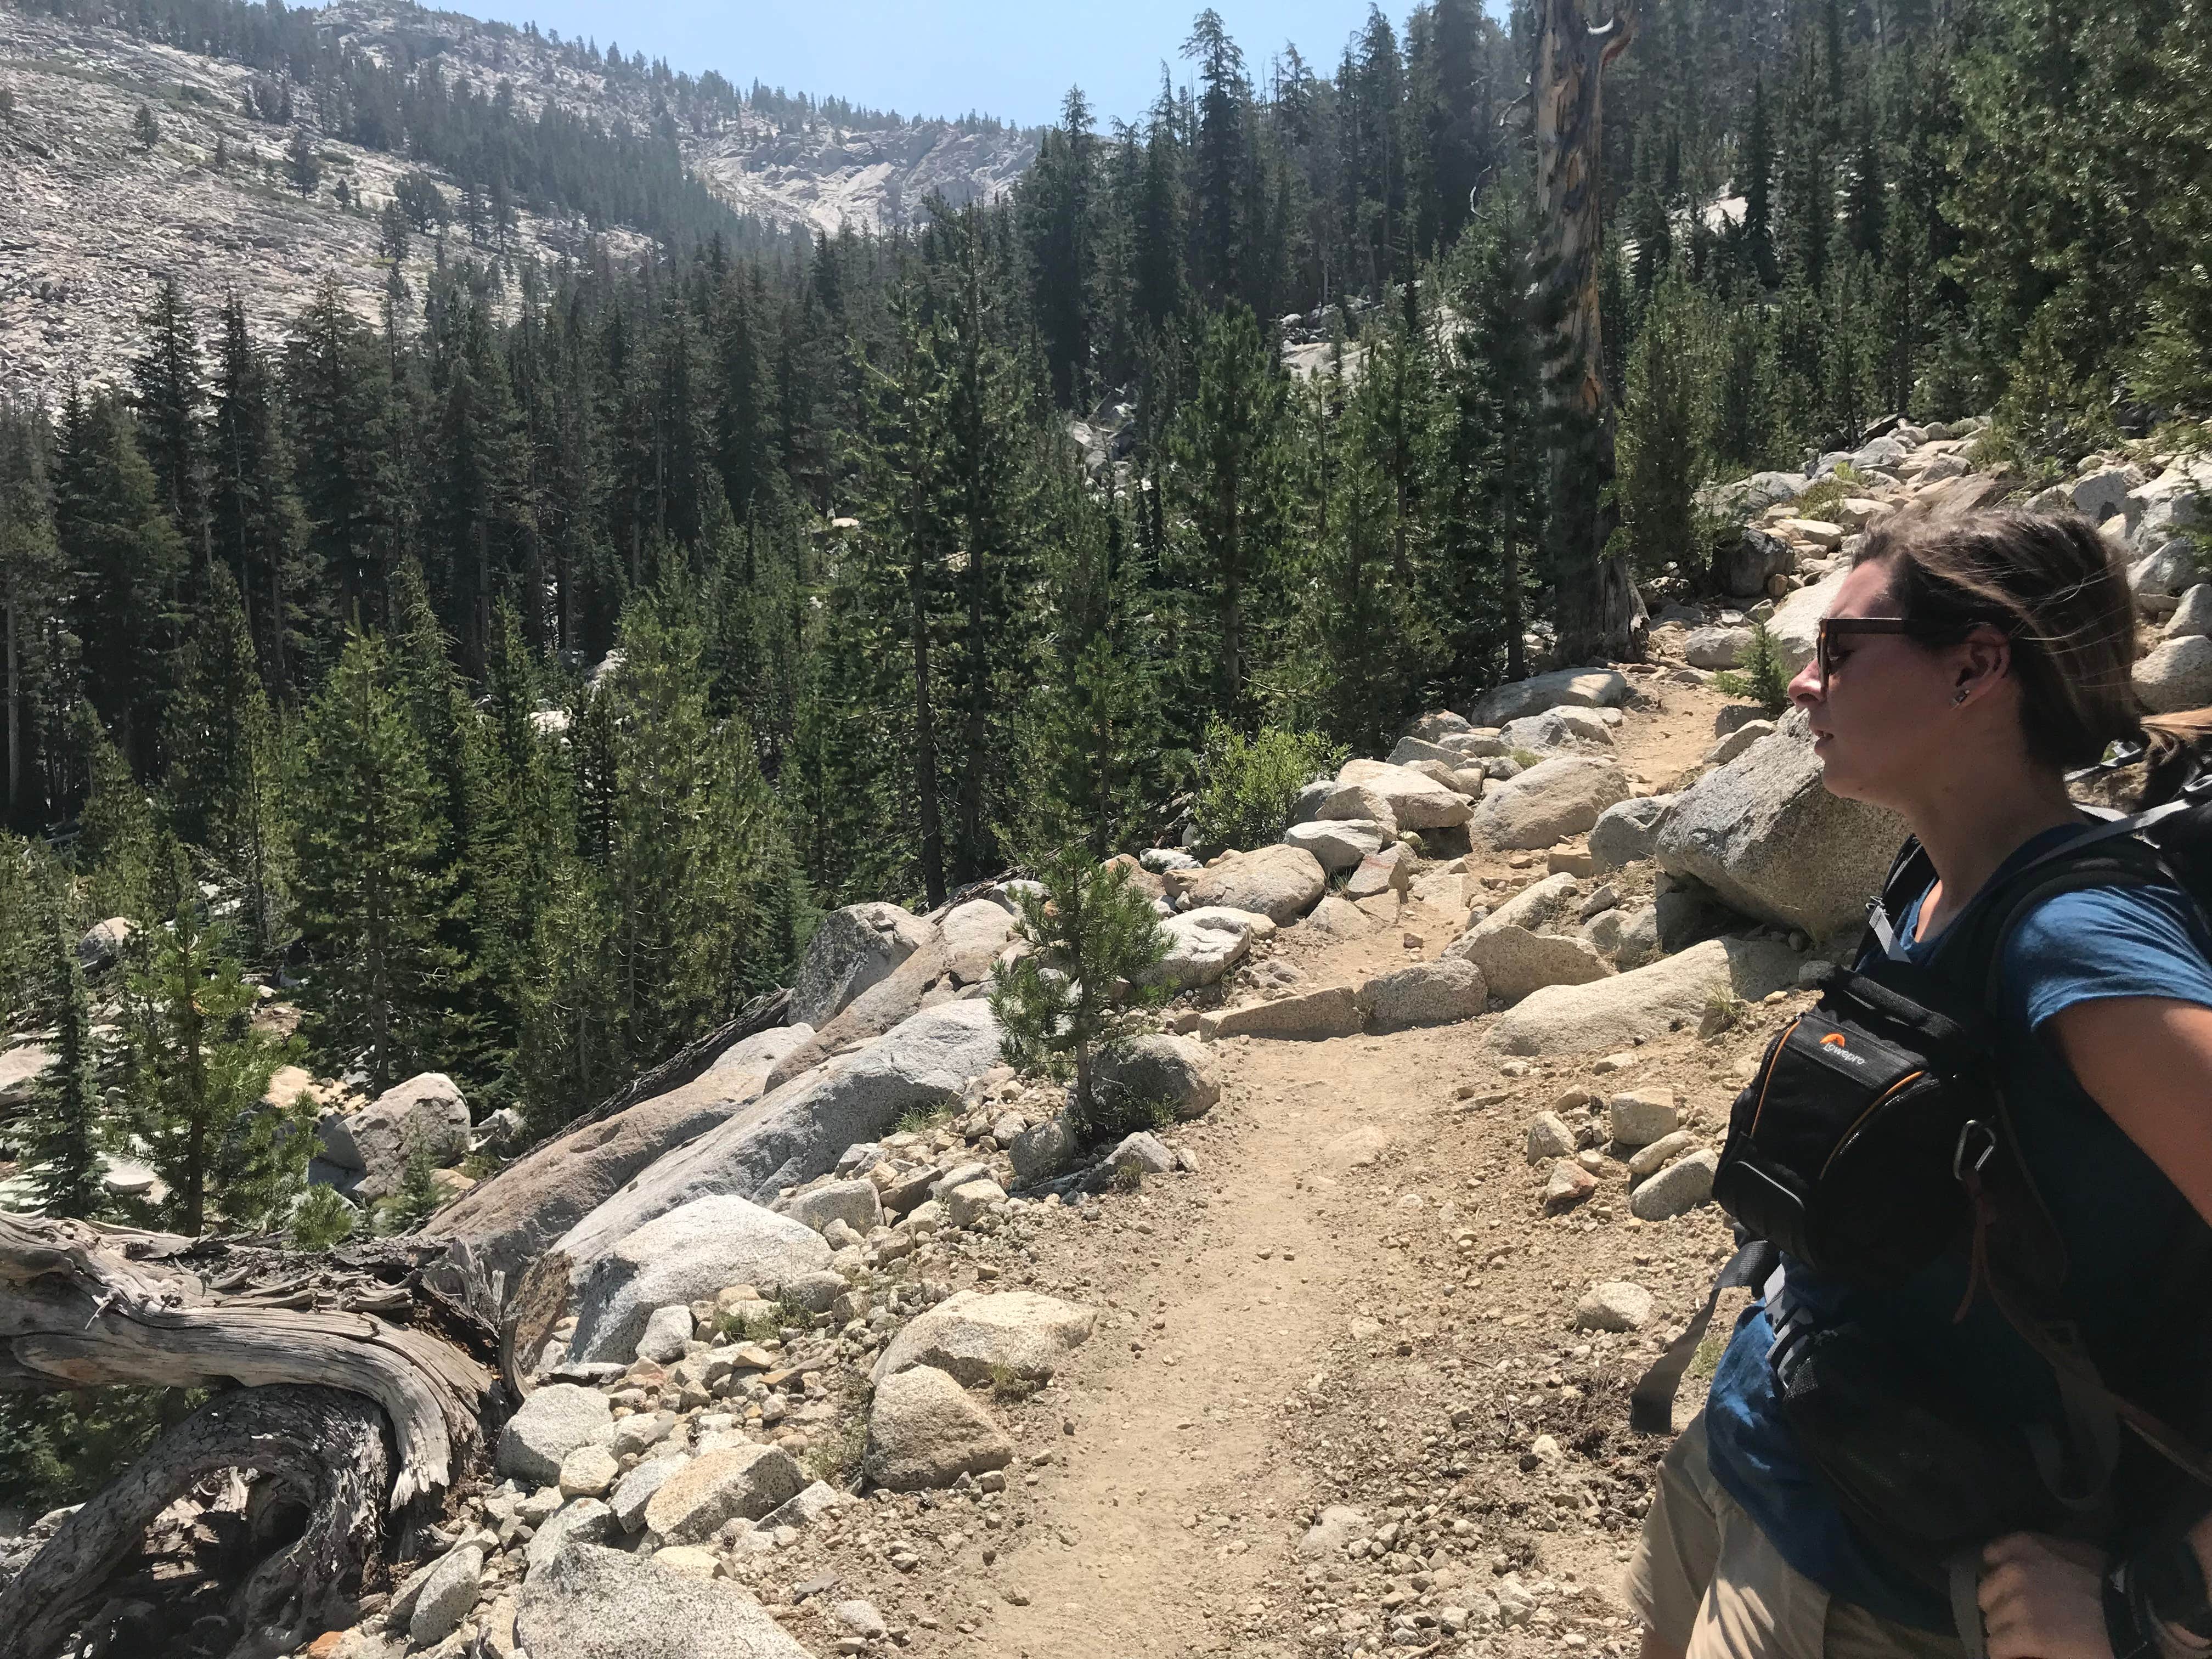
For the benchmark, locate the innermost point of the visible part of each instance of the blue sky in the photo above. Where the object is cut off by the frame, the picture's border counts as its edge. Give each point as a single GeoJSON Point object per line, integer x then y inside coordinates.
{"type": "Point", "coordinates": [1006, 58]}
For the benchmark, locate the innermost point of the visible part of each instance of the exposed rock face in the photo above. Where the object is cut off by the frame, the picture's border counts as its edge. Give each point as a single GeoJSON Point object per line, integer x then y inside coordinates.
{"type": "Point", "coordinates": [972, 1334]}
{"type": "Point", "coordinates": [1764, 834]}
{"type": "Point", "coordinates": [2176, 675]}
{"type": "Point", "coordinates": [853, 949]}
{"type": "Point", "coordinates": [690, 1252]}
{"type": "Point", "coordinates": [1417, 801]}
{"type": "Point", "coordinates": [367, 1150]}
{"type": "Point", "coordinates": [974, 935]}
{"type": "Point", "coordinates": [1313, 1017]}
{"type": "Point", "coordinates": [1626, 831]}
{"type": "Point", "coordinates": [926, 1431]}
{"type": "Point", "coordinates": [1426, 994]}
{"type": "Point", "coordinates": [1338, 844]}
{"type": "Point", "coordinates": [77, 280]}
{"type": "Point", "coordinates": [552, 1423]}
{"type": "Point", "coordinates": [691, 1505]}
{"type": "Point", "coordinates": [1174, 1071]}
{"type": "Point", "coordinates": [508, 1221]}
{"type": "Point", "coordinates": [593, 1603]}
{"type": "Point", "coordinates": [1796, 620]}
{"type": "Point", "coordinates": [1590, 688]}
{"type": "Point", "coordinates": [1609, 1013]}
{"type": "Point", "coordinates": [1203, 945]}
{"type": "Point", "coordinates": [1280, 882]}
{"type": "Point", "coordinates": [1547, 803]}
{"type": "Point", "coordinates": [797, 1132]}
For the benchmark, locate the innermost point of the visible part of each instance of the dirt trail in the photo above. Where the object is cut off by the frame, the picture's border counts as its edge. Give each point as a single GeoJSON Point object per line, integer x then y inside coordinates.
{"type": "Point", "coordinates": [1306, 1292]}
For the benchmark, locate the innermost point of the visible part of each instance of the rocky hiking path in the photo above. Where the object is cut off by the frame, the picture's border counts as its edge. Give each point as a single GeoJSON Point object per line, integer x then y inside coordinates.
{"type": "Point", "coordinates": [1314, 1280]}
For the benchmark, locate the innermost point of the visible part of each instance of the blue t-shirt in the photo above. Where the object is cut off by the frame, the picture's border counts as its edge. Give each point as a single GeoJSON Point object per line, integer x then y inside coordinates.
{"type": "Point", "coordinates": [2114, 1207]}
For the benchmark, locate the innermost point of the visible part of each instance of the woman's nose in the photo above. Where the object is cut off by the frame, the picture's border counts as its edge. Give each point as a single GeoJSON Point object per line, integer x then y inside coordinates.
{"type": "Point", "coordinates": [1806, 688]}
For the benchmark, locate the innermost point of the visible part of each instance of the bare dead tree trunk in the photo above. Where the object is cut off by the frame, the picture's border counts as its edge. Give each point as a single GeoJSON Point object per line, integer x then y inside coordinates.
{"type": "Point", "coordinates": [1599, 611]}
{"type": "Point", "coordinates": [323, 1362]}
{"type": "Point", "coordinates": [308, 1513]}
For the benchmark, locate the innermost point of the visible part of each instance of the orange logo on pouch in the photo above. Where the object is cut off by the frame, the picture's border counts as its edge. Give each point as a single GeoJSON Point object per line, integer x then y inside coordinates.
{"type": "Point", "coordinates": [1833, 1040]}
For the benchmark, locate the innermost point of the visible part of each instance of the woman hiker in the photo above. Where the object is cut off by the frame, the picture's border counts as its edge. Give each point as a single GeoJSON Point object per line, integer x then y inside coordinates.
{"type": "Point", "coordinates": [1964, 666]}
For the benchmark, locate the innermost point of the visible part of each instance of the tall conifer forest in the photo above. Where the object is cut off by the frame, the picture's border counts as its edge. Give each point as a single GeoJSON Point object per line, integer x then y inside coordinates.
{"type": "Point", "coordinates": [518, 671]}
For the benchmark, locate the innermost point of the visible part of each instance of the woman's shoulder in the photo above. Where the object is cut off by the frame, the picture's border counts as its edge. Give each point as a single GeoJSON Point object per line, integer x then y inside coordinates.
{"type": "Point", "coordinates": [2146, 939]}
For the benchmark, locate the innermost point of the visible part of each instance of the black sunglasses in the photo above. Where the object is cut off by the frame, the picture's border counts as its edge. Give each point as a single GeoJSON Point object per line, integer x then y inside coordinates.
{"type": "Point", "coordinates": [1926, 628]}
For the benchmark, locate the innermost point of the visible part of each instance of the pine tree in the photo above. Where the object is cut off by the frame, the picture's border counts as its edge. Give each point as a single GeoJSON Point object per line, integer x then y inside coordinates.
{"type": "Point", "coordinates": [1755, 178]}
{"type": "Point", "coordinates": [115, 851]}
{"type": "Point", "coordinates": [1664, 426]}
{"type": "Point", "coordinates": [144, 128]}
{"type": "Point", "coordinates": [1225, 450]}
{"type": "Point", "coordinates": [125, 560]}
{"type": "Point", "coordinates": [36, 677]}
{"type": "Point", "coordinates": [372, 893]}
{"type": "Point", "coordinates": [302, 165]}
{"type": "Point", "coordinates": [1094, 940]}
{"type": "Point", "coordinates": [339, 390]}
{"type": "Point", "coordinates": [256, 523]}
{"type": "Point", "coordinates": [172, 404]}
{"type": "Point", "coordinates": [226, 765]}
{"type": "Point", "coordinates": [67, 1128]}
{"type": "Point", "coordinates": [197, 1065]}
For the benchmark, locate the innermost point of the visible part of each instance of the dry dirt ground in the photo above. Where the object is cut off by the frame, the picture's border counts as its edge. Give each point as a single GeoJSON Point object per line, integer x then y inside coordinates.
{"type": "Point", "coordinates": [1357, 1300]}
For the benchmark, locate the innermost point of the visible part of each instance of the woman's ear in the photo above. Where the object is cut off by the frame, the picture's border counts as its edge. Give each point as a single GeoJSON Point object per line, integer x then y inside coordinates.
{"type": "Point", "coordinates": [1984, 658]}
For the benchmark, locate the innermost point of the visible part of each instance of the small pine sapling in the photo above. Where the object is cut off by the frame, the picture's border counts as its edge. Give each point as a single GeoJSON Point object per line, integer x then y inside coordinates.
{"type": "Point", "coordinates": [1761, 675]}
{"type": "Point", "coordinates": [418, 1197]}
{"type": "Point", "coordinates": [1082, 987]}
{"type": "Point", "coordinates": [320, 1218]}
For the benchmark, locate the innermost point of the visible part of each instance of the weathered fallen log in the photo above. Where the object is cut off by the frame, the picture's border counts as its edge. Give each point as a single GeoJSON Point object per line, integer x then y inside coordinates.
{"type": "Point", "coordinates": [299, 1475]}
{"type": "Point", "coordinates": [318, 1369]}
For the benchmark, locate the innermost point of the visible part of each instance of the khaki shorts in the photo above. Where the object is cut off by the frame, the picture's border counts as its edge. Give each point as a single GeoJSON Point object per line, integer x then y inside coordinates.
{"type": "Point", "coordinates": [1708, 1584]}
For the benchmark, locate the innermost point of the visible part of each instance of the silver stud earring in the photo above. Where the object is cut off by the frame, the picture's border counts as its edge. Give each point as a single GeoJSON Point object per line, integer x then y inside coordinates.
{"type": "Point", "coordinates": [1960, 698]}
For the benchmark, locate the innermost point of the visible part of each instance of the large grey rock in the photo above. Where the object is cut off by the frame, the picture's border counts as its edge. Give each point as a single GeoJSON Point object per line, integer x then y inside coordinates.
{"type": "Point", "coordinates": [1045, 1149]}
{"type": "Point", "coordinates": [1436, 728]}
{"type": "Point", "coordinates": [1174, 1071]}
{"type": "Point", "coordinates": [1763, 833]}
{"type": "Point", "coordinates": [552, 1423]}
{"type": "Point", "coordinates": [1417, 800]}
{"type": "Point", "coordinates": [1339, 918]}
{"type": "Point", "coordinates": [1143, 1152]}
{"type": "Point", "coordinates": [1439, 993]}
{"type": "Point", "coordinates": [103, 942]}
{"type": "Point", "coordinates": [1353, 803]}
{"type": "Point", "coordinates": [592, 1603]}
{"type": "Point", "coordinates": [426, 1110]}
{"type": "Point", "coordinates": [974, 933]}
{"type": "Point", "coordinates": [1639, 1116]}
{"type": "Point", "coordinates": [2193, 615]}
{"type": "Point", "coordinates": [2176, 675]}
{"type": "Point", "coordinates": [797, 1132]}
{"type": "Point", "coordinates": [2160, 577]}
{"type": "Point", "coordinates": [853, 949]}
{"type": "Point", "coordinates": [686, 1255]}
{"type": "Point", "coordinates": [1628, 937]}
{"type": "Point", "coordinates": [1796, 620]}
{"type": "Point", "coordinates": [1547, 803]}
{"type": "Point", "coordinates": [1548, 906]}
{"type": "Point", "coordinates": [1314, 1017]}
{"type": "Point", "coordinates": [1565, 730]}
{"type": "Point", "coordinates": [1515, 962]}
{"type": "Point", "coordinates": [666, 1332]}
{"type": "Point", "coordinates": [1411, 751]}
{"type": "Point", "coordinates": [1670, 994]}
{"type": "Point", "coordinates": [1677, 1189]}
{"type": "Point", "coordinates": [1716, 646]}
{"type": "Point", "coordinates": [634, 1490]}
{"type": "Point", "coordinates": [858, 1203]}
{"type": "Point", "coordinates": [1749, 497]}
{"type": "Point", "coordinates": [1626, 831]}
{"type": "Point", "coordinates": [1737, 741]}
{"type": "Point", "coordinates": [581, 1520]}
{"type": "Point", "coordinates": [973, 1334]}
{"type": "Point", "coordinates": [924, 1431]}
{"type": "Point", "coordinates": [1745, 560]}
{"type": "Point", "coordinates": [1280, 882]}
{"type": "Point", "coordinates": [1338, 844]}
{"type": "Point", "coordinates": [2107, 490]}
{"type": "Point", "coordinates": [1588, 688]}
{"type": "Point", "coordinates": [887, 1003]}
{"type": "Point", "coordinates": [715, 1486]}
{"type": "Point", "coordinates": [446, 1597]}
{"type": "Point", "coordinates": [1203, 944]}
{"type": "Point", "coordinates": [506, 1223]}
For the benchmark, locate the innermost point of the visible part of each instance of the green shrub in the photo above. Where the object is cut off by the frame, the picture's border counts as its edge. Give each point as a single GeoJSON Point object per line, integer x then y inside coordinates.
{"type": "Point", "coordinates": [1248, 786]}
{"type": "Point", "coordinates": [1762, 677]}
{"type": "Point", "coordinates": [320, 1219]}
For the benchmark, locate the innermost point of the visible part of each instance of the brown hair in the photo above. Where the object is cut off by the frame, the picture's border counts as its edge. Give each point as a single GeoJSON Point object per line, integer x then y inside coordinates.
{"type": "Point", "coordinates": [2054, 587]}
